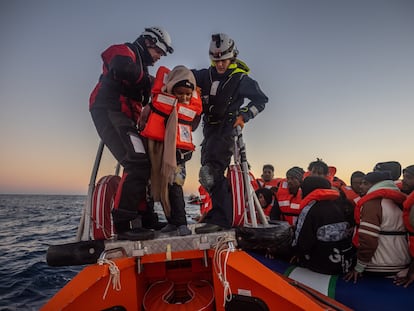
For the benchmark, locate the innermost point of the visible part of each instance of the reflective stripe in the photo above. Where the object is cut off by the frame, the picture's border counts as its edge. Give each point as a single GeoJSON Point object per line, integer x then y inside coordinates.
{"type": "Point", "coordinates": [186, 112]}
{"type": "Point", "coordinates": [166, 99]}
{"type": "Point", "coordinates": [369, 225]}
{"type": "Point", "coordinates": [254, 110]}
{"type": "Point", "coordinates": [368, 232]}
{"type": "Point", "coordinates": [284, 203]}
{"type": "Point", "coordinates": [295, 206]}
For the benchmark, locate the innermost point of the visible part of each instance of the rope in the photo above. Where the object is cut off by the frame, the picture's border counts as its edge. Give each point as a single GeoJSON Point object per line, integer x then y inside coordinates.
{"type": "Point", "coordinates": [223, 249]}
{"type": "Point", "coordinates": [114, 277]}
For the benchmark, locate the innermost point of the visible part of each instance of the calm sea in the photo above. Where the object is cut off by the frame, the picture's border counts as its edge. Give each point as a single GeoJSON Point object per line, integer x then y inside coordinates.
{"type": "Point", "coordinates": [28, 225]}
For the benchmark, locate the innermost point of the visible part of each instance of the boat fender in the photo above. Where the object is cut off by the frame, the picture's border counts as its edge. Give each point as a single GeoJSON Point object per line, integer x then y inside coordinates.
{"type": "Point", "coordinates": [276, 238]}
{"type": "Point", "coordinates": [74, 254]}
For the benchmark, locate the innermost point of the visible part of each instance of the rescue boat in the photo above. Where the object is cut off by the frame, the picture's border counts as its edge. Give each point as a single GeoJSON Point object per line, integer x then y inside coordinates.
{"type": "Point", "coordinates": [195, 272]}
{"type": "Point", "coordinates": [169, 272]}
{"type": "Point", "coordinates": [214, 271]}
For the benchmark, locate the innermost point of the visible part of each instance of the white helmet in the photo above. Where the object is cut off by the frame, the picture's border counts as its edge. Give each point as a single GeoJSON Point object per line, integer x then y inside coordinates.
{"type": "Point", "coordinates": [160, 38]}
{"type": "Point", "coordinates": [222, 47]}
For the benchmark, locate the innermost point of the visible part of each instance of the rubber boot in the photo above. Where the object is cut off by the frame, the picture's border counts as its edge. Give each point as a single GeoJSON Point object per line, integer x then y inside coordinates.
{"type": "Point", "coordinates": [128, 226]}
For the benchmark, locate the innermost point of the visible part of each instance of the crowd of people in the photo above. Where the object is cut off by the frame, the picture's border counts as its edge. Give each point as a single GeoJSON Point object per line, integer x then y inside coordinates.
{"type": "Point", "coordinates": [147, 124]}
{"type": "Point", "coordinates": [365, 227]}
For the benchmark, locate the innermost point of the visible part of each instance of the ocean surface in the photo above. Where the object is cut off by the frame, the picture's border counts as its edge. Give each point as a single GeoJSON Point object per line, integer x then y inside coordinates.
{"type": "Point", "coordinates": [28, 225]}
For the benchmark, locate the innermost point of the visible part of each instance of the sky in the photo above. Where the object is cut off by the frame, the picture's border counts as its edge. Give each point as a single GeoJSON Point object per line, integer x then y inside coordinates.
{"type": "Point", "coordinates": [339, 76]}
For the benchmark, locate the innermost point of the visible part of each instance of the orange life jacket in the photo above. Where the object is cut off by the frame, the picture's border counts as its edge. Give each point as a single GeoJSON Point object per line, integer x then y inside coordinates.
{"type": "Point", "coordinates": [267, 210]}
{"type": "Point", "coordinates": [407, 206]}
{"type": "Point", "coordinates": [338, 183]}
{"type": "Point", "coordinates": [319, 195]}
{"type": "Point", "coordinates": [162, 106]}
{"type": "Point", "coordinates": [260, 183]}
{"type": "Point", "coordinates": [288, 203]}
{"type": "Point", "coordinates": [350, 194]}
{"type": "Point", "coordinates": [397, 197]}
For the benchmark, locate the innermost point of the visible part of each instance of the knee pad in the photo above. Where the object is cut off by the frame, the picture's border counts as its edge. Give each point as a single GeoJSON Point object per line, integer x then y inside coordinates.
{"type": "Point", "coordinates": [180, 174]}
{"type": "Point", "coordinates": [206, 177]}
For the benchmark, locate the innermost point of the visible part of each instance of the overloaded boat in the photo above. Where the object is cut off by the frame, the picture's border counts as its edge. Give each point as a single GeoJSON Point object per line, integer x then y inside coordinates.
{"type": "Point", "coordinates": [213, 271]}
{"type": "Point", "coordinates": [196, 272]}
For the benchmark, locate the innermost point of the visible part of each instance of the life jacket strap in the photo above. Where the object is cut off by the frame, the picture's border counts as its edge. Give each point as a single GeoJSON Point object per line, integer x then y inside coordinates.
{"type": "Point", "coordinates": [165, 115]}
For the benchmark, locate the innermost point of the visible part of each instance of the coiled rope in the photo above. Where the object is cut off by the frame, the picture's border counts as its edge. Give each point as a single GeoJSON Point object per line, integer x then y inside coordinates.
{"type": "Point", "coordinates": [114, 276]}
{"type": "Point", "coordinates": [222, 249]}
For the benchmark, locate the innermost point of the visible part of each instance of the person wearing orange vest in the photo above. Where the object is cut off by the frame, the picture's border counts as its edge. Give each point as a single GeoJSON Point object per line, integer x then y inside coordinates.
{"type": "Point", "coordinates": [266, 199]}
{"type": "Point", "coordinates": [320, 168]}
{"type": "Point", "coordinates": [382, 246]}
{"type": "Point", "coordinates": [289, 196]}
{"type": "Point", "coordinates": [407, 186]}
{"type": "Point", "coordinates": [115, 104]}
{"type": "Point", "coordinates": [364, 187]}
{"type": "Point", "coordinates": [393, 167]}
{"type": "Point", "coordinates": [351, 194]}
{"type": "Point", "coordinates": [173, 114]}
{"type": "Point", "coordinates": [322, 240]}
{"type": "Point", "coordinates": [353, 191]}
{"type": "Point", "coordinates": [267, 180]}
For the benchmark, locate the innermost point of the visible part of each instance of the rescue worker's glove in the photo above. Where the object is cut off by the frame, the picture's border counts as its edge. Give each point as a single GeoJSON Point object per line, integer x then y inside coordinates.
{"type": "Point", "coordinates": [143, 117]}
{"type": "Point", "coordinates": [239, 121]}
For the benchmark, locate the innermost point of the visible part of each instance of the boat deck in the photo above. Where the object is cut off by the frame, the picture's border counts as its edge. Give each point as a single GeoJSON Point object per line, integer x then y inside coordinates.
{"type": "Point", "coordinates": [168, 242]}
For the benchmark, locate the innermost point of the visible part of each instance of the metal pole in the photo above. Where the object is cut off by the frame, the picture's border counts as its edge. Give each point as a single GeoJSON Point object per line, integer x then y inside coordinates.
{"type": "Point", "coordinates": [254, 204]}
{"type": "Point", "coordinates": [83, 232]}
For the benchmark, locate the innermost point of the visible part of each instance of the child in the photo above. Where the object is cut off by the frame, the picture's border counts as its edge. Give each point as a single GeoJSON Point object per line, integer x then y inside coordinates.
{"type": "Point", "coordinates": [266, 199]}
{"type": "Point", "coordinates": [174, 114]}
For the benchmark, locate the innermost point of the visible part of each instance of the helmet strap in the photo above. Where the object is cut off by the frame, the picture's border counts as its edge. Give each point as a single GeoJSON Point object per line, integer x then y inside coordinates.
{"type": "Point", "coordinates": [141, 44]}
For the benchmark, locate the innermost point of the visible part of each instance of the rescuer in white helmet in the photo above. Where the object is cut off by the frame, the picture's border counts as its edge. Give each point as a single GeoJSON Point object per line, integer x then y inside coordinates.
{"type": "Point", "coordinates": [115, 104]}
{"type": "Point", "coordinates": [225, 85]}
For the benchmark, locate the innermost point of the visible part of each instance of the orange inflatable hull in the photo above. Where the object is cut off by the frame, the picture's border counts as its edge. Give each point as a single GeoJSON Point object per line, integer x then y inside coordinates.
{"type": "Point", "coordinates": [186, 280]}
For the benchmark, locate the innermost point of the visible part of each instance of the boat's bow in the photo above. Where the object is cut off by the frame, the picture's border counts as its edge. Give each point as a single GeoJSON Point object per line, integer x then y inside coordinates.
{"type": "Point", "coordinates": [127, 271]}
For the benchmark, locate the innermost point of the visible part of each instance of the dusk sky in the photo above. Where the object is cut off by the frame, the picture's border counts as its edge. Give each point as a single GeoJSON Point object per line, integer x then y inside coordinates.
{"type": "Point", "coordinates": [339, 76]}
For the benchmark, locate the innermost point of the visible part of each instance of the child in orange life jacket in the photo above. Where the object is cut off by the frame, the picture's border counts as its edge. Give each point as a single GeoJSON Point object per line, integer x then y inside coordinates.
{"type": "Point", "coordinates": [266, 199]}
{"type": "Point", "coordinates": [175, 113]}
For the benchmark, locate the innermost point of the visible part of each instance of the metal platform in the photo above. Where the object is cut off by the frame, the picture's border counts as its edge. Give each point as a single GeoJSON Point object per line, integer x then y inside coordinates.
{"type": "Point", "coordinates": [170, 242]}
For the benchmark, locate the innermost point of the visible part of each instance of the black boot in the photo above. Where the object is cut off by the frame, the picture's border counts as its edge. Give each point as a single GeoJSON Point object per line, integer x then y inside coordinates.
{"type": "Point", "coordinates": [137, 234]}
{"type": "Point", "coordinates": [209, 228]}
{"type": "Point", "coordinates": [150, 220]}
{"type": "Point", "coordinates": [130, 228]}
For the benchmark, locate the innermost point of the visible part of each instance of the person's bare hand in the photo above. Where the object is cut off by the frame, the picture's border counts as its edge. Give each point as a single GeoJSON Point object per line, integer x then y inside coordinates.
{"type": "Point", "coordinates": [352, 275]}
{"type": "Point", "coordinates": [405, 278]}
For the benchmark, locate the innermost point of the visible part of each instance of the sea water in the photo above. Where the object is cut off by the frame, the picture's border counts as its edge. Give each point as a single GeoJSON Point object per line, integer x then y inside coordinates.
{"type": "Point", "coordinates": [29, 224]}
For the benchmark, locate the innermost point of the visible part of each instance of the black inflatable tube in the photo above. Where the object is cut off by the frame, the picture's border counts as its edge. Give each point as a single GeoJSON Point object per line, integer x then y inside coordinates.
{"type": "Point", "coordinates": [74, 254]}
